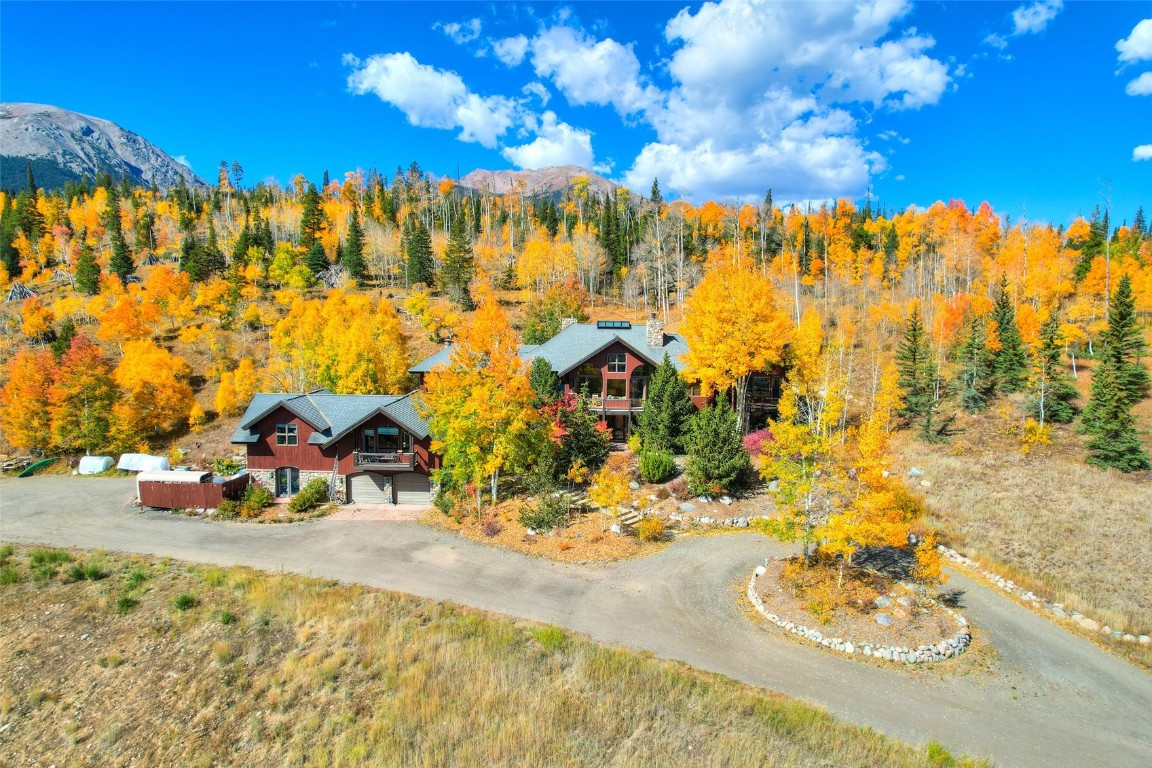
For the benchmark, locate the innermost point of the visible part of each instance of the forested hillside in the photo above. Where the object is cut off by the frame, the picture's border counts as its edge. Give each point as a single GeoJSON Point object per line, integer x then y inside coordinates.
{"type": "Point", "coordinates": [156, 312]}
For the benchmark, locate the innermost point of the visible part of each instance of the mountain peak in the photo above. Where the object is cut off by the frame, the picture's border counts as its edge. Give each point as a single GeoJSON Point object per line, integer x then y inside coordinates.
{"type": "Point", "coordinates": [64, 145]}
{"type": "Point", "coordinates": [536, 182]}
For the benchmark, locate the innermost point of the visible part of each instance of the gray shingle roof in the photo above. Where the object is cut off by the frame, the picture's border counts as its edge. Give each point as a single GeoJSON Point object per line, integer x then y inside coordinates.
{"type": "Point", "coordinates": [578, 342]}
{"type": "Point", "coordinates": [332, 416]}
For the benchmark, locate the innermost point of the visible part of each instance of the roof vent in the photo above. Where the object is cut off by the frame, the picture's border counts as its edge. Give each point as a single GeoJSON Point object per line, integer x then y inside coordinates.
{"type": "Point", "coordinates": [613, 325]}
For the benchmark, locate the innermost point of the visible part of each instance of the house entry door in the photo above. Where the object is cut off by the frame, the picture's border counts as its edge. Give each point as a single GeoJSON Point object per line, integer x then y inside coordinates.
{"type": "Point", "coordinates": [287, 481]}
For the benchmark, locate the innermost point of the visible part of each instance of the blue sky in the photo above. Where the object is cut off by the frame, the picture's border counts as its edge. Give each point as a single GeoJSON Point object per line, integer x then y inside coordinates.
{"type": "Point", "coordinates": [1035, 106]}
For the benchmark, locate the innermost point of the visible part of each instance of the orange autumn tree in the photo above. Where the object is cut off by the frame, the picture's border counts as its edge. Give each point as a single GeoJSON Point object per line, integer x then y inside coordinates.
{"type": "Point", "coordinates": [157, 396]}
{"type": "Point", "coordinates": [82, 397]}
{"type": "Point", "coordinates": [24, 413]}
{"type": "Point", "coordinates": [734, 326]}
{"type": "Point", "coordinates": [479, 404]}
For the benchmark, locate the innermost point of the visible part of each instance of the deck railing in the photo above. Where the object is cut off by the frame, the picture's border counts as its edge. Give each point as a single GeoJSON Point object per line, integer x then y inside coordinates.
{"type": "Point", "coordinates": [384, 460]}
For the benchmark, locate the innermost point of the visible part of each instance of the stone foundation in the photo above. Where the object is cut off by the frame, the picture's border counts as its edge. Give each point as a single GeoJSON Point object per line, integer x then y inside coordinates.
{"type": "Point", "coordinates": [267, 478]}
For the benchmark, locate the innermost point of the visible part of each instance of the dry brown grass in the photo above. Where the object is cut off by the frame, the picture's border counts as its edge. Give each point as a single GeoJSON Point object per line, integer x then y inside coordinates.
{"type": "Point", "coordinates": [310, 673]}
{"type": "Point", "coordinates": [1080, 536]}
{"type": "Point", "coordinates": [588, 538]}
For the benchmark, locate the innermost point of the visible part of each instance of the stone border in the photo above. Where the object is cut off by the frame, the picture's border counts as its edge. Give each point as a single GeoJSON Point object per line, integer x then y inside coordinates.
{"type": "Point", "coordinates": [947, 648]}
{"type": "Point", "coordinates": [1056, 609]}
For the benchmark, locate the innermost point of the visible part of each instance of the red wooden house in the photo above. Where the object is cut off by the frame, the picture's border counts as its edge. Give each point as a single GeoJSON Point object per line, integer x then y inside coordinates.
{"type": "Point", "coordinates": [369, 448]}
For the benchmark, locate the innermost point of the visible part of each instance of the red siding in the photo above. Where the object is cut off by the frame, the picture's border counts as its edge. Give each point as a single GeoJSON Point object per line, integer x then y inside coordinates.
{"type": "Point", "coordinates": [265, 454]}
{"type": "Point", "coordinates": [191, 495]}
{"type": "Point", "coordinates": [600, 361]}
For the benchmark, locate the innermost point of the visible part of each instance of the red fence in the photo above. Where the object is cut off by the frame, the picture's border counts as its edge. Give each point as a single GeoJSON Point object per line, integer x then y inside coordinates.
{"type": "Point", "coordinates": [191, 495]}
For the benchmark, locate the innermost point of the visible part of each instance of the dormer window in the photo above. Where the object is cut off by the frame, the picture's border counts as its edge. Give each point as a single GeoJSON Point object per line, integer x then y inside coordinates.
{"type": "Point", "coordinates": [286, 434]}
{"type": "Point", "coordinates": [617, 362]}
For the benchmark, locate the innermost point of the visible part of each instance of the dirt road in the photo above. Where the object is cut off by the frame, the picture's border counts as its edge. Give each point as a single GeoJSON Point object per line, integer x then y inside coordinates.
{"type": "Point", "coordinates": [1030, 694]}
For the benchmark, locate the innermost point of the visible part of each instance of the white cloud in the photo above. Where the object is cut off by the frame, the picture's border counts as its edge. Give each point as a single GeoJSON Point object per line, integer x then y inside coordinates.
{"type": "Point", "coordinates": [1032, 19]}
{"type": "Point", "coordinates": [998, 42]}
{"type": "Point", "coordinates": [539, 90]}
{"type": "Point", "coordinates": [588, 71]}
{"type": "Point", "coordinates": [900, 177]}
{"type": "Point", "coordinates": [556, 143]}
{"type": "Point", "coordinates": [183, 161]}
{"type": "Point", "coordinates": [432, 98]}
{"type": "Point", "coordinates": [1138, 45]}
{"type": "Point", "coordinates": [1142, 152]}
{"type": "Point", "coordinates": [511, 50]}
{"type": "Point", "coordinates": [1141, 86]}
{"type": "Point", "coordinates": [460, 32]}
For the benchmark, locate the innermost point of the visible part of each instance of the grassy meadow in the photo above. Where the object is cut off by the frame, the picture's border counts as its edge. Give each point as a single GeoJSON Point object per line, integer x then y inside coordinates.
{"type": "Point", "coordinates": [112, 660]}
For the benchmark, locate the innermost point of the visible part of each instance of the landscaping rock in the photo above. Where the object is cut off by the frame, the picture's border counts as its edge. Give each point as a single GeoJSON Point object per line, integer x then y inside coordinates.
{"type": "Point", "coordinates": [1058, 611]}
{"type": "Point", "coordinates": [634, 485]}
{"type": "Point", "coordinates": [1090, 624]}
{"type": "Point", "coordinates": [687, 507]}
{"type": "Point", "coordinates": [883, 602]}
{"type": "Point", "coordinates": [883, 619]}
{"type": "Point", "coordinates": [915, 472]}
{"type": "Point", "coordinates": [726, 500]}
{"type": "Point", "coordinates": [615, 528]}
{"type": "Point", "coordinates": [741, 522]}
{"type": "Point", "coordinates": [1144, 639]}
{"type": "Point", "coordinates": [904, 601]}
{"type": "Point", "coordinates": [774, 486]}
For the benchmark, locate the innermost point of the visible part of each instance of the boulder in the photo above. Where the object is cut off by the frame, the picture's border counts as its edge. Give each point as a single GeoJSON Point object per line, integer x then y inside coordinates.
{"type": "Point", "coordinates": [687, 507]}
{"type": "Point", "coordinates": [883, 619]}
{"type": "Point", "coordinates": [726, 500]}
{"type": "Point", "coordinates": [915, 472]}
{"type": "Point", "coordinates": [883, 602]}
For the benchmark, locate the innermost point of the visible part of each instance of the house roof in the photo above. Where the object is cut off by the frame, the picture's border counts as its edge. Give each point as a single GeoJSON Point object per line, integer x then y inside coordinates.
{"type": "Point", "coordinates": [331, 416]}
{"type": "Point", "coordinates": [580, 341]}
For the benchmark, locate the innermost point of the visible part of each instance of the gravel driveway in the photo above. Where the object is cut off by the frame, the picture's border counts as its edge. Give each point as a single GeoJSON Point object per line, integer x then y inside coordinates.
{"type": "Point", "coordinates": [1030, 694]}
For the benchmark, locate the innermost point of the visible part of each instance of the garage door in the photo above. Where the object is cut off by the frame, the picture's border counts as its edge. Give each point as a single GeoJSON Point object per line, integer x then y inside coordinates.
{"type": "Point", "coordinates": [413, 488]}
{"type": "Point", "coordinates": [370, 488]}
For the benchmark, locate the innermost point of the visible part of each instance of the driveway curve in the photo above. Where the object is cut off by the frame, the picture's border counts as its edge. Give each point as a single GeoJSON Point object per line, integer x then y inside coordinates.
{"type": "Point", "coordinates": [1030, 694]}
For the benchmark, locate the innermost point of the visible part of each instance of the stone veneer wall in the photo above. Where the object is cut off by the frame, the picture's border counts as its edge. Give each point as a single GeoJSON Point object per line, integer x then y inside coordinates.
{"type": "Point", "coordinates": [337, 495]}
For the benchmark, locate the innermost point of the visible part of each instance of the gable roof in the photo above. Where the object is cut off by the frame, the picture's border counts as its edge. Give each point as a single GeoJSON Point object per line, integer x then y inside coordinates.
{"type": "Point", "coordinates": [331, 416]}
{"type": "Point", "coordinates": [580, 341]}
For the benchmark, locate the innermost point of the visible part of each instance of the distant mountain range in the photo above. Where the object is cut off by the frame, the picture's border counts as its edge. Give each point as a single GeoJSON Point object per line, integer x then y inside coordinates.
{"type": "Point", "coordinates": [541, 182]}
{"type": "Point", "coordinates": [64, 146]}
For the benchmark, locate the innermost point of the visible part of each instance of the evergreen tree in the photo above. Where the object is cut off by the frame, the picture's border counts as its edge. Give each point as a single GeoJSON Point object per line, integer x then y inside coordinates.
{"type": "Point", "coordinates": [63, 341]}
{"type": "Point", "coordinates": [584, 436]}
{"type": "Point", "coordinates": [418, 251]}
{"type": "Point", "coordinates": [214, 261]}
{"type": "Point", "coordinates": [87, 268]}
{"type": "Point", "coordinates": [459, 266]}
{"type": "Point", "coordinates": [975, 366]}
{"type": "Point", "coordinates": [243, 242]}
{"type": "Point", "coordinates": [192, 258]}
{"type": "Point", "coordinates": [917, 375]}
{"type": "Point", "coordinates": [717, 460]}
{"type": "Point", "coordinates": [658, 199]}
{"type": "Point", "coordinates": [121, 263]}
{"type": "Point", "coordinates": [1052, 387]}
{"type": "Point", "coordinates": [1113, 444]}
{"type": "Point", "coordinates": [1120, 375]}
{"type": "Point", "coordinates": [1138, 222]}
{"type": "Point", "coordinates": [1010, 361]}
{"type": "Point", "coordinates": [663, 424]}
{"type": "Point", "coordinates": [9, 256]}
{"type": "Point", "coordinates": [315, 259]}
{"type": "Point", "coordinates": [312, 218]}
{"type": "Point", "coordinates": [544, 382]}
{"type": "Point", "coordinates": [353, 257]}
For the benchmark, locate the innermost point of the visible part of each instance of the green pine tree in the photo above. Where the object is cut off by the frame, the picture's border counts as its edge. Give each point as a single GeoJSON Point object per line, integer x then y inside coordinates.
{"type": "Point", "coordinates": [315, 259]}
{"type": "Point", "coordinates": [459, 266]}
{"type": "Point", "coordinates": [1114, 444]}
{"type": "Point", "coordinates": [121, 263]}
{"type": "Point", "coordinates": [63, 341]}
{"type": "Point", "coordinates": [192, 258]}
{"type": "Point", "coordinates": [717, 461]}
{"type": "Point", "coordinates": [663, 424]}
{"type": "Point", "coordinates": [1119, 373]}
{"type": "Point", "coordinates": [544, 382]}
{"type": "Point", "coordinates": [312, 217]}
{"type": "Point", "coordinates": [975, 361]}
{"type": "Point", "coordinates": [1052, 390]}
{"type": "Point", "coordinates": [418, 252]}
{"type": "Point", "coordinates": [917, 375]}
{"type": "Point", "coordinates": [214, 261]}
{"type": "Point", "coordinates": [87, 269]}
{"type": "Point", "coordinates": [1010, 361]}
{"type": "Point", "coordinates": [353, 260]}
{"type": "Point", "coordinates": [584, 439]}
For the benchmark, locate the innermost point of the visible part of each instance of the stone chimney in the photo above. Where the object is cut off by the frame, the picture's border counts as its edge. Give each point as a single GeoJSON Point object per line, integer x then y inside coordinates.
{"type": "Point", "coordinates": [655, 329]}
{"type": "Point", "coordinates": [567, 322]}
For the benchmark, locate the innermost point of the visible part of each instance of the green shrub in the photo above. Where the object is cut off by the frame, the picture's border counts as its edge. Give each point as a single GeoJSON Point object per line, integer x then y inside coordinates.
{"type": "Point", "coordinates": [656, 466]}
{"type": "Point", "coordinates": [89, 572]}
{"type": "Point", "coordinates": [228, 509]}
{"type": "Point", "coordinates": [6, 552]}
{"type": "Point", "coordinates": [9, 574]}
{"type": "Point", "coordinates": [137, 577]}
{"type": "Point", "coordinates": [551, 639]}
{"type": "Point", "coordinates": [126, 603]}
{"type": "Point", "coordinates": [650, 529]}
{"type": "Point", "coordinates": [310, 496]}
{"type": "Point", "coordinates": [256, 498]}
{"type": "Point", "coordinates": [547, 513]}
{"type": "Point", "coordinates": [49, 557]}
{"type": "Point", "coordinates": [227, 618]}
{"type": "Point", "coordinates": [185, 601]}
{"type": "Point", "coordinates": [226, 467]}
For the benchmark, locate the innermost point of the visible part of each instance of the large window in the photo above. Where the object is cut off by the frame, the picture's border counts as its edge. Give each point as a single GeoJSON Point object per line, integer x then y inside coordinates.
{"type": "Point", "coordinates": [588, 376]}
{"type": "Point", "coordinates": [617, 362]}
{"type": "Point", "coordinates": [641, 374]}
{"type": "Point", "coordinates": [764, 387]}
{"type": "Point", "coordinates": [286, 434]}
{"type": "Point", "coordinates": [614, 388]}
